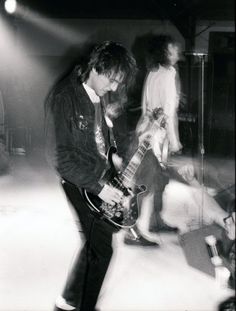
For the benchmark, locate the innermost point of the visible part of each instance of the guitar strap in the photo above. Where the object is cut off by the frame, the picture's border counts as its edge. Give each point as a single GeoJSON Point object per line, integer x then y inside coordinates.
{"type": "Point", "coordinates": [111, 137]}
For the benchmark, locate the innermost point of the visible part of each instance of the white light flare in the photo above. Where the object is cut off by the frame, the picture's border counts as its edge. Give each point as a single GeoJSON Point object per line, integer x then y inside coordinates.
{"type": "Point", "coordinates": [52, 26]}
{"type": "Point", "coordinates": [10, 6]}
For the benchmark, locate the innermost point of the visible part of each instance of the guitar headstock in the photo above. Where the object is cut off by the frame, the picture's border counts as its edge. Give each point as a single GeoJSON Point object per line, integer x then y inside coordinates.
{"type": "Point", "coordinates": [159, 116]}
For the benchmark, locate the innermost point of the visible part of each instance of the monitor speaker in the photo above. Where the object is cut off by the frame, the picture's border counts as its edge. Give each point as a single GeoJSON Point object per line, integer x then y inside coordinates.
{"type": "Point", "coordinates": [196, 250]}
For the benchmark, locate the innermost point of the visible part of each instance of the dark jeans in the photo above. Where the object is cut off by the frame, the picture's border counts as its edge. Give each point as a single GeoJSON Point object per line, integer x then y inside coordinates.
{"type": "Point", "coordinates": [89, 269]}
{"type": "Point", "coordinates": [155, 178]}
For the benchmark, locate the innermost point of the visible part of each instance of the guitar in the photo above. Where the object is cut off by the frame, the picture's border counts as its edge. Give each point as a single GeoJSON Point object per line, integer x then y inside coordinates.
{"type": "Point", "coordinates": [125, 213]}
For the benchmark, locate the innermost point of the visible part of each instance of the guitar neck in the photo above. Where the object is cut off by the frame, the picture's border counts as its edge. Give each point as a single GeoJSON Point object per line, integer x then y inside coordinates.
{"type": "Point", "coordinates": [129, 172]}
{"type": "Point", "coordinates": [158, 121]}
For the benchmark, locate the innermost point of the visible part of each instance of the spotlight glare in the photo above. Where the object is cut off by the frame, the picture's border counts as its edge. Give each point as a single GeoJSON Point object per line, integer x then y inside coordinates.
{"type": "Point", "coordinates": [10, 6]}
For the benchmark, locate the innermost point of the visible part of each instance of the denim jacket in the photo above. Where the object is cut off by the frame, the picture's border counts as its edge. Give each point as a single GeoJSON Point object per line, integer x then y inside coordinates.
{"type": "Point", "coordinates": [70, 139]}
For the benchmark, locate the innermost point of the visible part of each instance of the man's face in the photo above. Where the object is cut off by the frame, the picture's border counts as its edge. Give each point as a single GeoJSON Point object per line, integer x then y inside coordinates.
{"type": "Point", "coordinates": [102, 84]}
{"type": "Point", "coordinates": [173, 53]}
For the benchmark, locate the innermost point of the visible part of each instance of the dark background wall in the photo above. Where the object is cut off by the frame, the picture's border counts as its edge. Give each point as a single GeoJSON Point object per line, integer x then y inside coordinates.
{"type": "Point", "coordinates": [40, 50]}
{"type": "Point", "coordinates": [220, 118]}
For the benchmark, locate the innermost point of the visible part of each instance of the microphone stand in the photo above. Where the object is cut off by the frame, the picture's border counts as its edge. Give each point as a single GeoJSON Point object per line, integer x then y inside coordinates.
{"type": "Point", "coordinates": [201, 107]}
{"type": "Point", "coordinates": [201, 57]}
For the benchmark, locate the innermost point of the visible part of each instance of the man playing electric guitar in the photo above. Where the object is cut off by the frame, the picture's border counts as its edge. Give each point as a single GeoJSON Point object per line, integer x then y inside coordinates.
{"type": "Point", "coordinates": [77, 143]}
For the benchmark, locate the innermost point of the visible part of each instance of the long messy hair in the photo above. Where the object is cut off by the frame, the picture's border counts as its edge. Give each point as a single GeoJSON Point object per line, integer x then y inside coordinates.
{"type": "Point", "coordinates": [110, 58]}
{"type": "Point", "coordinates": [157, 51]}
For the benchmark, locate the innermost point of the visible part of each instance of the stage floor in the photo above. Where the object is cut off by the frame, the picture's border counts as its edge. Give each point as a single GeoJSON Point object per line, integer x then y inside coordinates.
{"type": "Point", "coordinates": [39, 239]}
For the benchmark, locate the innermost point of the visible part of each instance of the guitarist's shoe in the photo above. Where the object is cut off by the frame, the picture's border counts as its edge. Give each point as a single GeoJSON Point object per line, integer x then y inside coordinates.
{"type": "Point", "coordinates": [139, 241]}
{"type": "Point", "coordinates": [62, 305]}
{"type": "Point", "coordinates": [164, 228]}
{"type": "Point", "coordinates": [60, 309]}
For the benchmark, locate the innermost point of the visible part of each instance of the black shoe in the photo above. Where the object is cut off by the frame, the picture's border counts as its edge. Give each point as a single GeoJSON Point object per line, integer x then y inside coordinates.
{"type": "Point", "coordinates": [59, 309]}
{"type": "Point", "coordinates": [164, 228]}
{"type": "Point", "coordinates": [140, 241]}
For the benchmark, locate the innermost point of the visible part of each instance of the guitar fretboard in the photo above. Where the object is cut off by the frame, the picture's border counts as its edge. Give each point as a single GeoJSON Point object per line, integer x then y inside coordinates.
{"type": "Point", "coordinates": [129, 172]}
{"type": "Point", "coordinates": [135, 161]}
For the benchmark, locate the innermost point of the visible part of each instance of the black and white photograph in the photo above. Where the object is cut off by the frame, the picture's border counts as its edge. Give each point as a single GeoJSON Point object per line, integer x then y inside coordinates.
{"type": "Point", "coordinates": [117, 155]}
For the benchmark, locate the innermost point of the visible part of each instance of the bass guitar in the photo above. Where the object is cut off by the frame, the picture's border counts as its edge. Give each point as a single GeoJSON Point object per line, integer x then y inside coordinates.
{"type": "Point", "coordinates": [125, 213]}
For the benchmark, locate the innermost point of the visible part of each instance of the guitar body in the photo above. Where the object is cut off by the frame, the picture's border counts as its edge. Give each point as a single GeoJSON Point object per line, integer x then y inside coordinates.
{"type": "Point", "coordinates": [124, 214]}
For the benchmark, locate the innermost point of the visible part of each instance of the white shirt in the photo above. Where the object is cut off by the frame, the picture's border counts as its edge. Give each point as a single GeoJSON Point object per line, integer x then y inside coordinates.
{"type": "Point", "coordinates": [91, 93]}
{"type": "Point", "coordinates": [160, 91]}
